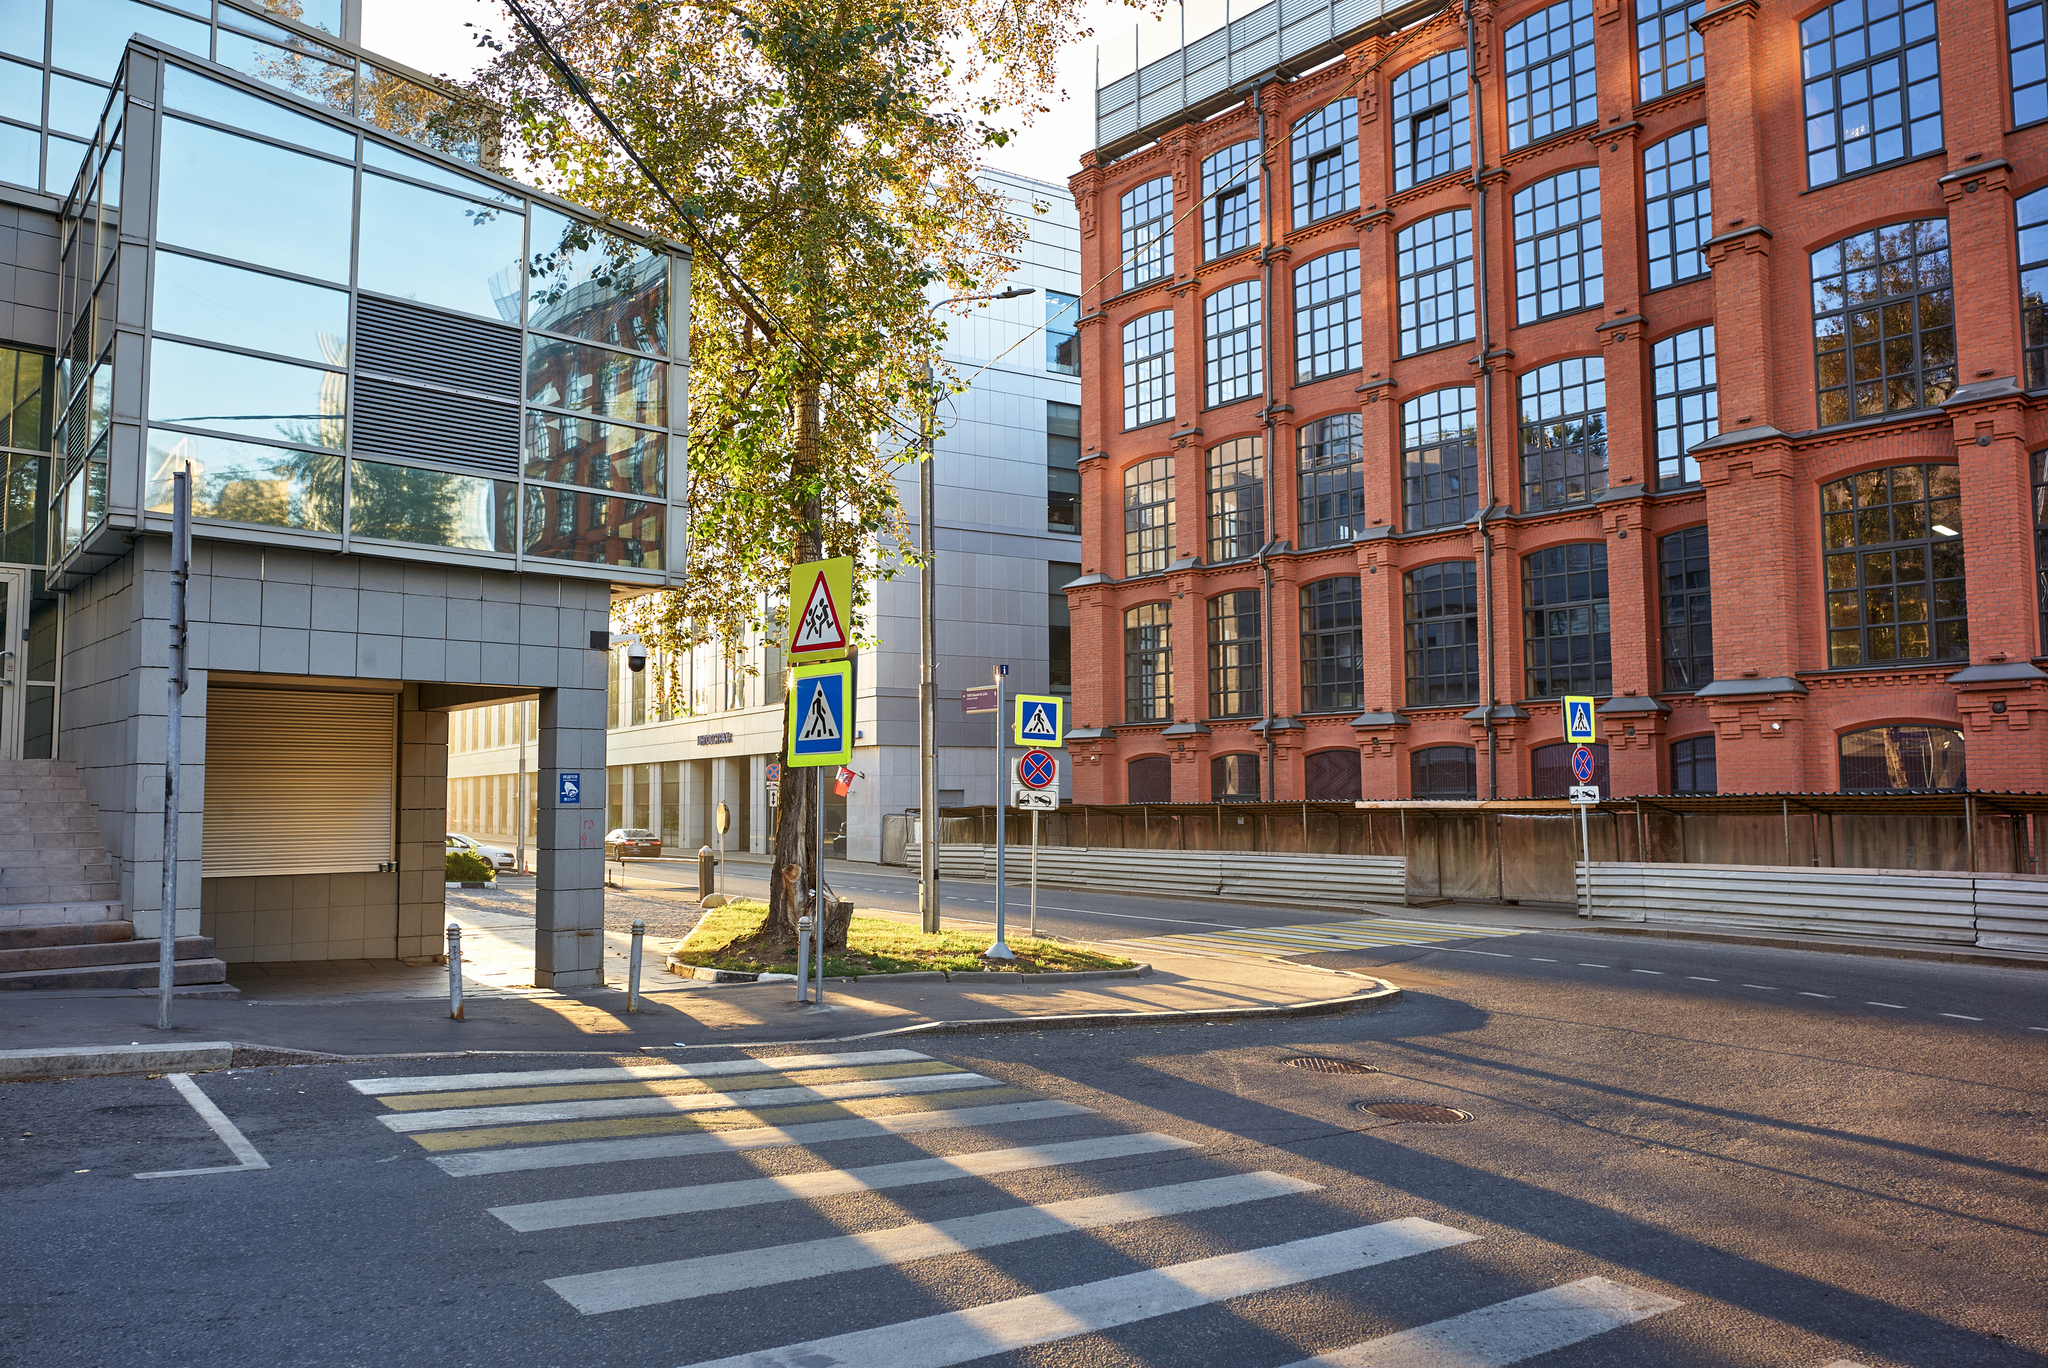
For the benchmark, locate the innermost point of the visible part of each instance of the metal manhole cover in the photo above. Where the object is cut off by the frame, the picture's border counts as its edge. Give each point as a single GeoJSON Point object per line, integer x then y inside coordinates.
{"type": "Point", "coordinates": [1415, 1111]}
{"type": "Point", "coordinates": [1326, 1064]}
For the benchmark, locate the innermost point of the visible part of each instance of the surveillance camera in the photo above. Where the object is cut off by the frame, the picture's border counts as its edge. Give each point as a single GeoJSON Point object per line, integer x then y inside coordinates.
{"type": "Point", "coordinates": [636, 656]}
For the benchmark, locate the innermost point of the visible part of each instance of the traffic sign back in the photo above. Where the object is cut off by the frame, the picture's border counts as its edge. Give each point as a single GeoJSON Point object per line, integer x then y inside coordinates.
{"type": "Point", "coordinates": [1039, 720]}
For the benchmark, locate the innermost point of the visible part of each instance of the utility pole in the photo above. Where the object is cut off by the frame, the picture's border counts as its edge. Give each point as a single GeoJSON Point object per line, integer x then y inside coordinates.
{"type": "Point", "coordinates": [927, 687]}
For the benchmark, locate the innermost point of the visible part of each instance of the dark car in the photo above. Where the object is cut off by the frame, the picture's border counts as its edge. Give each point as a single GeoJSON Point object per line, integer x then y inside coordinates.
{"type": "Point", "coordinates": [632, 842]}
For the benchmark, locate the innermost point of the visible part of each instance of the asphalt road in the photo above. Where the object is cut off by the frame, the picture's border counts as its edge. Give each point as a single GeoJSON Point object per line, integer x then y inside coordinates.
{"type": "Point", "coordinates": [1759, 1178]}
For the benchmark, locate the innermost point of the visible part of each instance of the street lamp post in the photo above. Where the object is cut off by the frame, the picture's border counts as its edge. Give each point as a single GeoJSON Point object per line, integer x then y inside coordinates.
{"type": "Point", "coordinates": [928, 654]}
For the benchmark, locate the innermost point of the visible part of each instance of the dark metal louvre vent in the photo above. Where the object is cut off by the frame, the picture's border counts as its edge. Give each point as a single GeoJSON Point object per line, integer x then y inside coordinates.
{"type": "Point", "coordinates": [391, 419]}
{"type": "Point", "coordinates": [395, 338]}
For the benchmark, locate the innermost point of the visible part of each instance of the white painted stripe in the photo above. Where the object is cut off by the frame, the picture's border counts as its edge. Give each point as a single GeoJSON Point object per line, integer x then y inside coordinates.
{"type": "Point", "coordinates": [455, 1118]}
{"type": "Point", "coordinates": [1497, 954]}
{"type": "Point", "coordinates": [1541, 960]}
{"type": "Point", "coordinates": [1584, 965]}
{"type": "Point", "coordinates": [1506, 1332]}
{"type": "Point", "coordinates": [956, 1337]}
{"type": "Point", "coordinates": [788, 1187]}
{"type": "Point", "coordinates": [1804, 993]}
{"type": "Point", "coordinates": [1845, 1363]}
{"type": "Point", "coordinates": [1765, 986]}
{"type": "Point", "coordinates": [627, 1073]}
{"type": "Point", "coordinates": [1658, 972]}
{"type": "Point", "coordinates": [1960, 1017]}
{"type": "Point", "coordinates": [650, 1284]}
{"type": "Point", "coordinates": [478, 1162]}
{"type": "Point", "coordinates": [1701, 978]}
{"type": "Point", "coordinates": [1893, 1005]}
{"type": "Point", "coordinates": [217, 1121]}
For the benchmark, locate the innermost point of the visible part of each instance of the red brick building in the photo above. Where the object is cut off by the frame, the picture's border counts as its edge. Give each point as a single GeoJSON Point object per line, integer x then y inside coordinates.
{"type": "Point", "coordinates": [1720, 392]}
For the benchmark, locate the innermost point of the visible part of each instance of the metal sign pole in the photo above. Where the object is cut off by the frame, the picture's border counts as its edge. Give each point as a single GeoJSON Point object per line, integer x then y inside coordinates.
{"type": "Point", "coordinates": [1034, 873]}
{"type": "Point", "coordinates": [1585, 865]}
{"type": "Point", "coordinates": [1000, 950]}
{"type": "Point", "coordinates": [818, 941]}
{"type": "Point", "coordinates": [174, 727]}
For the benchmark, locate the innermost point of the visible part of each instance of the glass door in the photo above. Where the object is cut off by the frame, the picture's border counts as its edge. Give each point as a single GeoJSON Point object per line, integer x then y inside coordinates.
{"type": "Point", "coordinates": [28, 666]}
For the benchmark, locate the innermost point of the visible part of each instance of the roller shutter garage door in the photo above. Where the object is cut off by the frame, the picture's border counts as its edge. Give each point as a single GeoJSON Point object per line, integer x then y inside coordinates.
{"type": "Point", "coordinates": [299, 782]}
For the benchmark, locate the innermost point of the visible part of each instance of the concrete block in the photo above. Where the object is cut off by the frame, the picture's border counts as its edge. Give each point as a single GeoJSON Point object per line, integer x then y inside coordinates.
{"type": "Point", "coordinates": [334, 608]}
{"type": "Point", "coordinates": [284, 650]}
{"type": "Point", "coordinates": [425, 616]}
{"type": "Point", "coordinates": [380, 657]}
{"type": "Point", "coordinates": [287, 604]}
{"type": "Point", "coordinates": [423, 658]}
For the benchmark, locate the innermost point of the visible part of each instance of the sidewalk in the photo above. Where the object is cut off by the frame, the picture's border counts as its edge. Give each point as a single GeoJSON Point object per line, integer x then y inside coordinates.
{"type": "Point", "coordinates": [386, 1008]}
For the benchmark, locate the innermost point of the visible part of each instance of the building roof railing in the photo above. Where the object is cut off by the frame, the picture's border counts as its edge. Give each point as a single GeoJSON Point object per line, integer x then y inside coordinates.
{"type": "Point", "coordinates": [1197, 57]}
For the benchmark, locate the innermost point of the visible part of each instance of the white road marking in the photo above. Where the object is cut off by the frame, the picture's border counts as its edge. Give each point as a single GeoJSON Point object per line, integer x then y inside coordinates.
{"type": "Point", "coordinates": [1893, 1005]}
{"type": "Point", "coordinates": [958, 1337]}
{"type": "Point", "coordinates": [1804, 993]}
{"type": "Point", "coordinates": [1540, 960]}
{"type": "Point", "coordinates": [216, 1120]}
{"type": "Point", "coordinates": [1845, 1363]}
{"type": "Point", "coordinates": [1461, 950]}
{"type": "Point", "coordinates": [1506, 1332]}
{"type": "Point", "coordinates": [654, 1068]}
{"type": "Point", "coordinates": [472, 1164]}
{"type": "Point", "coordinates": [1765, 986]}
{"type": "Point", "coordinates": [1584, 965]}
{"type": "Point", "coordinates": [455, 1118]}
{"type": "Point", "coordinates": [1960, 1017]}
{"type": "Point", "coordinates": [2038, 1028]}
{"type": "Point", "coordinates": [1658, 972]}
{"type": "Point", "coordinates": [789, 1187]}
{"type": "Point", "coordinates": [651, 1284]}
{"type": "Point", "coordinates": [1701, 978]}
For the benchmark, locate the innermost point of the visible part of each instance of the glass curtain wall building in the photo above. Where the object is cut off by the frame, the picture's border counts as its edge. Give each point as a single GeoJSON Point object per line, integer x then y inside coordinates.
{"type": "Point", "coordinates": [429, 415]}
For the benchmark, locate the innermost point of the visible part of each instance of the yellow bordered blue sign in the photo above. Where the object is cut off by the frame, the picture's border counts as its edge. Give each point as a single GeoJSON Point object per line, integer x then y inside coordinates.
{"type": "Point", "coordinates": [820, 715]}
{"type": "Point", "coordinates": [1578, 719]}
{"type": "Point", "coordinates": [1040, 720]}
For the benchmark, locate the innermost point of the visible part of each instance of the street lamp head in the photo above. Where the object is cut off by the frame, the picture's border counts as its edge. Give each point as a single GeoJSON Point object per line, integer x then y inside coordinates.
{"type": "Point", "coordinates": [1018, 292]}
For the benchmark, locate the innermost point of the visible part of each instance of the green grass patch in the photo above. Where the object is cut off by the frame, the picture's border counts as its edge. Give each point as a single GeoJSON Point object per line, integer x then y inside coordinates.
{"type": "Point", "coordinates": [736, 936]}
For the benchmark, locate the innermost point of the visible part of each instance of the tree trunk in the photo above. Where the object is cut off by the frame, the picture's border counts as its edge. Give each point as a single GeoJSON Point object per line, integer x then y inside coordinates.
{"type": "Point", "coordinates": [793, 880]}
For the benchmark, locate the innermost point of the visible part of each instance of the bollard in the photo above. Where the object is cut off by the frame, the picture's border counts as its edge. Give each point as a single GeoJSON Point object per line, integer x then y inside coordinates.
{"type": "Point", "coordinates": [454, 971]}
{"type": "Point", "coordinates": [707, 874]}
{"type": "Point", "coordinates": [803, 959]}
{"type": "Point", "coordinates": [633, 968]}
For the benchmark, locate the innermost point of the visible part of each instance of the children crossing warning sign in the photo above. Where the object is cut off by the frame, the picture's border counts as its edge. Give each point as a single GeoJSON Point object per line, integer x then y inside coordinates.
{"type": "Point", "coordinates": [818, 733]}
{"type": "Point", "coordinates": [1039, 721]}
{"type": "Point", "coordinates": [821, 609]}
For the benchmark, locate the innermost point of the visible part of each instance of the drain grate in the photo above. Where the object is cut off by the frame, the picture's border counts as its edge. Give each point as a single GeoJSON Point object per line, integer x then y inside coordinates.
{"type": "Point", "coordinates": [1326, 1064]}
{"type": "Point", "coordinates": [1415, 1111]}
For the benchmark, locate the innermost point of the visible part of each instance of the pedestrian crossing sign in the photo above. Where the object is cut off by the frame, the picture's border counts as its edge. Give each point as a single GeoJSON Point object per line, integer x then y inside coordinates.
{"type": "Point", "coordinates": [818, 730]}
{"type": "Point", "coordinates": [1578, 720]}
{"type": "Point", "coordinates": [1039, 720]}
{"type": "Point", "coordinates": [821, 609]}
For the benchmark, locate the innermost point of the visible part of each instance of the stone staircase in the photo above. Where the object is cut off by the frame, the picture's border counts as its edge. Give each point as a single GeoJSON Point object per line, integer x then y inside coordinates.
{"type": "Point", "coordinates": [61, 922]}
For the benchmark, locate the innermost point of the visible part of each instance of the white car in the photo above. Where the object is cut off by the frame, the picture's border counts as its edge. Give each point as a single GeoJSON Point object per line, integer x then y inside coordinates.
{"type": "Point", "coordinates": [491, 855]}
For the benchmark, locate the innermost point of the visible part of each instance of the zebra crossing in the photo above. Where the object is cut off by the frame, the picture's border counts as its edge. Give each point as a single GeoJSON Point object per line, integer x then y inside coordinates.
{"type": "Point", "coordinates": [1272, 942]}
{"type": "Point", "coordinates": [753, 1139]}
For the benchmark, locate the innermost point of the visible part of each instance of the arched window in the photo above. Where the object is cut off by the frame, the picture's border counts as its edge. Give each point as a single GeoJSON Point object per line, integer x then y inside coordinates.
{"type": "Point", "coordinates": [1549, 71]}
{"type": "Point", "coordinates": [1550, 770]}
{"type": "Point", "coordinates": [1149, 779]}
{"type": "Point", "coordinates": [1903, 757]}
{"type": "Point", "coordinates": [1434, 281]}
{"type": "Point", "coordinates": [1234, 778]}
{"type": "Point", "coordinates": [1233, 354]}
{"type": "Point", "coordinates": [1873, 86]}
{"type": "Point", "coordinates": [1443, 772]}
{"type": "Point", "coordinates": [1558, 266]}
{"type": "Point", "coordinates": [1230, 200]}
{"type": "Point", "coordinates": [1441, 606]}
{"type": "Point", "coordinates": [1692, 765]}
{"type": "Point", "coordinates": [1564, 621]}
{"type": "Point", "coordinates": [1432, 135]}
{"type": "Point", "coordinates": [1439, 458]}
{"type": "Point", "coordinates": [1325, 162]}
{"type": "Point", "coordinates": [1884, 337]}
{"type": "Point", "coordinates": [1148, 516]}
{"type": "Point", "coordinates": [1893, 558]}
{"type": "Point", "coordinates": [1669, 53]}
{"type": "Point", "coordinates": [1234, 654]}
{"type": "Point", "coordinates": [1148, 664]}
{"type": "Point", "coordinates": [1564, 433]}
{"type": "Point", "coordinates": [1332, 506]}
{"type": "Point", "coordinates": [1334, 777]}
{"type": "Point", "coordinates": [1237, 498]}
{"type": "Point", "coordinates": [1332, 646]}
{"type": "Point", "coordinates": [1148, 232]}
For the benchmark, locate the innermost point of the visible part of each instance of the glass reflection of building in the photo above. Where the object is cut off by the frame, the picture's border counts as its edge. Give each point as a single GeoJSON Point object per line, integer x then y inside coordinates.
{"type": "Point", "coordinates": [348, 342]}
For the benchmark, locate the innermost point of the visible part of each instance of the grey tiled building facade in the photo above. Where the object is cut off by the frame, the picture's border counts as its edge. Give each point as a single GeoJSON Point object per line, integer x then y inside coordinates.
{"type": "Point", "coordinates": [429, 416]}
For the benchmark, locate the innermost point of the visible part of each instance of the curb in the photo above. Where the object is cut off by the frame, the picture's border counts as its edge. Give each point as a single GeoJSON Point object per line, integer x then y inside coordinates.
{"type": "Point", "coordinates": [967, 978]}
{"type": "Point", "coordinates": [1385, 995]}
{"type": "Point", "coordinates": [1906, 952]}
{"type": "Point", "coordinates": [92, 1061]}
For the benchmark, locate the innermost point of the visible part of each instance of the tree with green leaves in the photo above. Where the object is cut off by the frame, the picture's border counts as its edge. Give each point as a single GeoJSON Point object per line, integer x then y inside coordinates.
{"type": "Point", "coordinates": [818, 159]}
